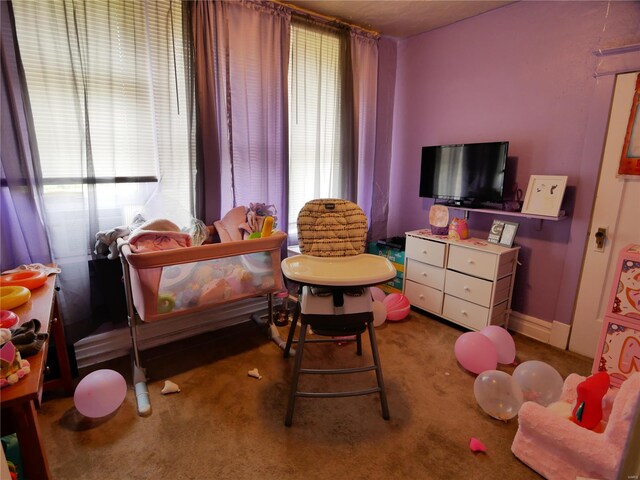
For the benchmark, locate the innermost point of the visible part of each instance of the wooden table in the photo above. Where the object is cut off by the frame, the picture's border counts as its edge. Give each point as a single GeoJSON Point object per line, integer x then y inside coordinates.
{"type": "Point", "coordinates": [20, 401]}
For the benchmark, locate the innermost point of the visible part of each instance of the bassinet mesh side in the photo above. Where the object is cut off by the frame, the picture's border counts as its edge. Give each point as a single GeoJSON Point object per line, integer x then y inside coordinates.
{"type": "Point", "coordinates": [168, 285]}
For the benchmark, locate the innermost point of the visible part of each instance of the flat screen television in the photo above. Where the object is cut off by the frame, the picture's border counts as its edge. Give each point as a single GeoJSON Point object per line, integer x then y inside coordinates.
{"type": "Point", "coordinates": [467, 174]}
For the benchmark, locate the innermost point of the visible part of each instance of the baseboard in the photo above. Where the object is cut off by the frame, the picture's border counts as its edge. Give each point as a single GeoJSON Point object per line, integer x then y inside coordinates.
{"type": "Point", "coordinates": [530, 326]}
{"type": "Point", "coordinates": [117, 343]}
{"type": "Point", "coordinates": [560, 335]}
{"type": "Point", "coordinates": [554, 333]}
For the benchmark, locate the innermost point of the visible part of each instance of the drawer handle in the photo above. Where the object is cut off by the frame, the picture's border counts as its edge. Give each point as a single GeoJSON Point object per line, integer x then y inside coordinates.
{"type": "Point", "coordinates": [424, 252]}
{"type": "Point", "coordinates": [466, 289]}
{"type": "Point", "coordinates": [470, 261]}
{"type": "Point", "coordinates": [421, 296]}
{"type": "Point", "coordinates": [463, 312]}
{"type": "Point", "coordinates": [424, 274]}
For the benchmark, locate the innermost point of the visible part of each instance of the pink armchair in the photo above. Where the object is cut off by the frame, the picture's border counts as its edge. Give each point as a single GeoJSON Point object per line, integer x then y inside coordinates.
{"type": "Point", "coordinates": [557, 448]}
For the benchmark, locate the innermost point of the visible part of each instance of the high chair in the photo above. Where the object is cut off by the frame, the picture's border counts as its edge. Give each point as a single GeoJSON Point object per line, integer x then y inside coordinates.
{"type": "Point", "coordinates": [334, 298]}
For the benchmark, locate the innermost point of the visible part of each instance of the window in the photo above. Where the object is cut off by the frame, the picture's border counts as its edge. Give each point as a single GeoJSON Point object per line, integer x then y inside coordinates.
{"type": "Point", "coordinates": [107, 91]}
{"type": "Point", "coordinates": [316, 120]}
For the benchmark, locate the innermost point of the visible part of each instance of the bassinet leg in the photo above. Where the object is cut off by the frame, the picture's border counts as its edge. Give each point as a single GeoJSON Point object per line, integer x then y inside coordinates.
{"type": "Point", "coordinates": [139, 377]}
{"type": "Point", "coordinates": [272, 331]}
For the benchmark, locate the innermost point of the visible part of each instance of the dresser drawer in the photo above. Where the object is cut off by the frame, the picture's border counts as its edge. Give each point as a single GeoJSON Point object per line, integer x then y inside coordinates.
{"type": "Point", "coordinates": [425, 251]}
{"type": "Point", "coordinates": [465, 313]}
{"type": "Point", "coordinates": [469, 288]}
{"type": "Point", "coordinates": [425, 274]}
{"type": "Point", "coordinates": [474, 262]}
{"type": "Point", "coordinates": [423, 297]}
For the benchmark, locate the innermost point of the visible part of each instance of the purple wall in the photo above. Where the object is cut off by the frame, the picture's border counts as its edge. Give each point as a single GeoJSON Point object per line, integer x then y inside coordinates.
{"type": "Point", "coordinates": [522, 73]}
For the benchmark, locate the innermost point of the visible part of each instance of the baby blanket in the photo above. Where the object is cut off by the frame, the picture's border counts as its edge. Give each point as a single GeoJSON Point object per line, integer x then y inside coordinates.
{"type": "Point", "coordinates": [156, 235]}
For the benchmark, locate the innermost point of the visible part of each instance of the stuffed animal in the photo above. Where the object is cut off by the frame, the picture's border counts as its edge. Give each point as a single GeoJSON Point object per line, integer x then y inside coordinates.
{"type": "Point", "coordinates": [12, 366]}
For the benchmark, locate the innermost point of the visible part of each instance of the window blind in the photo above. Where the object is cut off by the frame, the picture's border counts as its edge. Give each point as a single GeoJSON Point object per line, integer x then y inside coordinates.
{"type": "Point", "coordinates": [315, 123]}
{"type": "Point", "coordinates": [106, 83]}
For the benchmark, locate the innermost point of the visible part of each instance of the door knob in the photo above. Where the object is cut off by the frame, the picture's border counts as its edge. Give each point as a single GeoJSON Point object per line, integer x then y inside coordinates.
{"type": "Point", "coordinates": [601, 236]}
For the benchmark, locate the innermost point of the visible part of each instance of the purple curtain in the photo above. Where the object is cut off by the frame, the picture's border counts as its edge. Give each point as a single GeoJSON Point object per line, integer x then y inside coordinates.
{"type": "Point", "coordinates": [201, 21]}
{"type": "Point", "coordinates": [241, 55]}
{"type": "Point", "coordinates": [23, 236]}
{"type": "Point", "coordinates": [373, 176]}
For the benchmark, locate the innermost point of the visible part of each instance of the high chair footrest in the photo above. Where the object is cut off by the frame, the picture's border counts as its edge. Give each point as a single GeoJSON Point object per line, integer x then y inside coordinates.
{"type": "Point", "coordinates": [338, 371]}
{"type": "Point", "coordinates": [352, 393]}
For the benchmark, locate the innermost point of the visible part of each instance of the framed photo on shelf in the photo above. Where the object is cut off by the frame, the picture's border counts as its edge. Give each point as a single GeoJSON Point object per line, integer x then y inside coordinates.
{"type": "Point", "coordinates": [508, 235]}
{"type": "Point", "coordinates": [544, 195]}
{"type": "Point", "coordinates": [496, 231]}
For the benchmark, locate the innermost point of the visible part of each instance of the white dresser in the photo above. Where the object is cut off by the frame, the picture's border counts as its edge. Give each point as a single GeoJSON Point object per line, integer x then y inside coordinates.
{"type": "Point", "coordinates": [468, 282]}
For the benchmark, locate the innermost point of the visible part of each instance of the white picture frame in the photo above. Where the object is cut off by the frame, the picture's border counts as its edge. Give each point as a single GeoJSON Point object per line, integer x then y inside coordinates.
{"type": "Point", "coordinates": [544, 195]}
{"type": "Point", "coordinates": [508, 235]}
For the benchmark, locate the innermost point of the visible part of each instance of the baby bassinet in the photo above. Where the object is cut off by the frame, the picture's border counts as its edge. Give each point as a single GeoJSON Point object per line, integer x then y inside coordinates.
{"type": "Point", "coordinates": [173, 283]}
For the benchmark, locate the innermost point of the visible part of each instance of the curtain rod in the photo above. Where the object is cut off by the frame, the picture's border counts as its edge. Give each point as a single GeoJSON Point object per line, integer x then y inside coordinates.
{"type": "Point", "coordinates": [325, 18]}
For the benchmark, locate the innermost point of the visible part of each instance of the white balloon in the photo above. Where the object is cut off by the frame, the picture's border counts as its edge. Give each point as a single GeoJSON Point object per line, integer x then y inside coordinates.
{"type": "Point", "coordinates": [379, 313]}
{"type": "Point", "coordinates": [540, 382]}
{"type": "Point", "coordinates": [498, 394]}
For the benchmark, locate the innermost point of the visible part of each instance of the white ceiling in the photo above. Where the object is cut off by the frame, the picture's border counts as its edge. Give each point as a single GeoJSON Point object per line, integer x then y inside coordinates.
{"type": "Point", "coordinates": [399, 18]}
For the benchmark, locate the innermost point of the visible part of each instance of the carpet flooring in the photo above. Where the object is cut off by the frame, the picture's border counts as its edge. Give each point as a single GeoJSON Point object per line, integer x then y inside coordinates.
{"type": "Point", "coordinates": [225, 424]}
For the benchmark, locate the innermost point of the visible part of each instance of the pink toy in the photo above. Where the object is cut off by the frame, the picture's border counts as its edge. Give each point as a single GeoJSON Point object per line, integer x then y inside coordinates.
{"type": "Point", "coordinates": [476, 445]}
{"type": "Point", "coordinates": [459, 229]}
{"type": "Point", "coordinates": [397, 307]}
{"type": "Point", "coordinates": [557, 448]}
{"type": "Point", "coordinates": [12, 366]}
{"type": "Point", "coordinates": [588, 409]}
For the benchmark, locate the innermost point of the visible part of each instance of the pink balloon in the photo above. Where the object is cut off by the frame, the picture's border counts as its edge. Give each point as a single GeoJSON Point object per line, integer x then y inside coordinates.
{"type": "Point", "coordinates": [100, 393]}
{"type": "Point", "coordinates": [397, 306]}
{"type": "Point", "coordinates": [503, 341]}
{"type": "Point", "coordinates": [378, 294]}
{"type": "Point", "coordinates": [475, 352]}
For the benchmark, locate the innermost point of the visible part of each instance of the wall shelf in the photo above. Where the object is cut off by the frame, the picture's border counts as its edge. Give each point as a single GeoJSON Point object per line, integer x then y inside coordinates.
{"type": "Point", "coordinates": [507, 213]}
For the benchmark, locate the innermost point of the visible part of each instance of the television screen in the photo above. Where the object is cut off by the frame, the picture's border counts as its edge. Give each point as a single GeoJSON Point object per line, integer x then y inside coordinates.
{"type": "Point", "coordinates": [470, 172]}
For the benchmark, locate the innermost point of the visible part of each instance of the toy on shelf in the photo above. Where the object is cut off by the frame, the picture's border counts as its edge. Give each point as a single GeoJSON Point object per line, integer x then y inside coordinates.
{"type": "Point", "coordinates": [14, 296]}
{"type": "Point", "coordinates": [458, 229]}
{"type": "Point", "coordinates": [30, 279]}
{"type": "Point", "coordinates": [12, 366]}
{"type": "Point", "coordinates": [439, 220]}
{"type": "Point", "coordinates": [8, 319]}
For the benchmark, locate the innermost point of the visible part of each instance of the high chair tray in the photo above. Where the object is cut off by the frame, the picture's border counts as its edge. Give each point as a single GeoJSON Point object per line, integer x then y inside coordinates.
{"type": "Point", "coordinates": [364, 269]}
